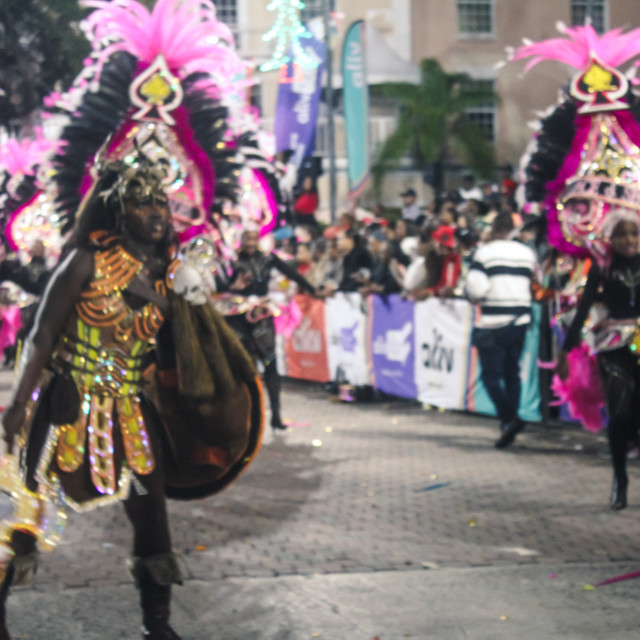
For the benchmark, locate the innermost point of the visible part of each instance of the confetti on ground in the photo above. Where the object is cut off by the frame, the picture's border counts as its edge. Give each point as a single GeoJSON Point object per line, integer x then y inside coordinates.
{"type": "Point", "coordinates": [201, 547]}
{"type": "Point", "coordinates": [434, 476]}
{"type": "Point", "coordinates": [328, 429]}
{"type": "Point", "coordinates": [503, 618]}
{"type": "Point", "coordinates": [317, 634]}
{"type": "Point", "coordinates": [394, 421]}
{"type": "Point", "coordinates": [624, 576]}
{"type": "Point", "coordinates": [432, 487]}
{"type": "Point", "coordinates": [553, 575]}
{"type": "Point", "coordinates": [297, 425]}
{"type": "Point", "coordinates": [472, 522]}
{"type": "Point", "coordinates": [589, 587]}
{"type": "Point", "coordinates": [316, 443]}
{"type": "Point", "coordinates": [521, 551]}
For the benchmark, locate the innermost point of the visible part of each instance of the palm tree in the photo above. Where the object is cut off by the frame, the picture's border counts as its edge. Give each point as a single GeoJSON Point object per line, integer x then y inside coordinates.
{"type": "Point", "coordinates": [433, 123]}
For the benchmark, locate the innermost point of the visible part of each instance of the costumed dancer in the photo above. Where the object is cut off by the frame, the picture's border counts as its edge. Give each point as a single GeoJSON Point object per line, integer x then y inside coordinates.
{"type": "Point", "coordinates": [585, 173]}
{"type": "Point", "coordinates": [255, 328]}
{"type": "Point", "coordinates": [131, 387]}
{"type": "Point", "coordinates": [617, 285]}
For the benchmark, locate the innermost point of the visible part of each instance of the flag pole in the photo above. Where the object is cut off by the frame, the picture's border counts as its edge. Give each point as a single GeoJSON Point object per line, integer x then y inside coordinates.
{"type": "Point", "coordinates": [331, 133]}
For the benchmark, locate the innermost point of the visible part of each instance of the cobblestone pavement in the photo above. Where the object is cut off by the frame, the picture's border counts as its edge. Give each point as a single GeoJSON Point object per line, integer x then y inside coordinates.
{"type": "Point", "coordinates": [372, 488]}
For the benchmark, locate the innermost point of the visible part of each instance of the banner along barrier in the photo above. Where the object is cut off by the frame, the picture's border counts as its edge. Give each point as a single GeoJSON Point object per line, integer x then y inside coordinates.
{"type": "Point", "coordinates": [412, 350]}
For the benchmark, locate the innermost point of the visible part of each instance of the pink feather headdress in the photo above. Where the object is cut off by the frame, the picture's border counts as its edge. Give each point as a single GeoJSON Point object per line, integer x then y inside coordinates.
{"type": "Point", "coordinates": [581, 46]}
{"type": "Point", "coordinates": [585, 162]}
{"type": "Point", "coordinates": [186, 33]}
{"type": "Point", "coordinates": [164, 81]}
{"type": "Point", "coordinates": [23, 157]}
{"type": "Point", "coordinates": [27, 211]}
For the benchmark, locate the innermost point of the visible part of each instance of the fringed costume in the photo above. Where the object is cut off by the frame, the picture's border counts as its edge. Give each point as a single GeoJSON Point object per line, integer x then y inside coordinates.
{"type": "Point", "coordinates": [131, 386]}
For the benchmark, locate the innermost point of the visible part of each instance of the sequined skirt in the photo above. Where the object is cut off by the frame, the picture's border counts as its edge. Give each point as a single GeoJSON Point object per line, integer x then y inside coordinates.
{"type": "Point", "coordinates": [92, 458]}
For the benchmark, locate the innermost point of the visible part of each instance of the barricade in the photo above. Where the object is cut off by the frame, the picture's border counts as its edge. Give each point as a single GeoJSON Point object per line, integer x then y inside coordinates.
{"type": "Point", "coordinates": [416, 350]}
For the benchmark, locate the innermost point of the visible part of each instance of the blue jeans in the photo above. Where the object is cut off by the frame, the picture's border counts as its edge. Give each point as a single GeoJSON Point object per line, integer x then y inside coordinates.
{"type": "Point", "coordinates": [499, 353]}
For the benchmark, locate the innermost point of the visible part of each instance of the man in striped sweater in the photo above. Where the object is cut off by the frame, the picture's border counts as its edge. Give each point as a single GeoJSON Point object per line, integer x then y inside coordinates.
{"type": "Point", "coordinates": [499, 280]}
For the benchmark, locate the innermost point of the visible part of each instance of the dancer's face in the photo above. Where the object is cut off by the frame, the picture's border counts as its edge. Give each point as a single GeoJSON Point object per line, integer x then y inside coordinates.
{"type": "Point", "coordinates": [147, 217]}
{"type": "Point", "coordinates": [625, 239]}
{"type": "Point", "coordinates": [250, 240]}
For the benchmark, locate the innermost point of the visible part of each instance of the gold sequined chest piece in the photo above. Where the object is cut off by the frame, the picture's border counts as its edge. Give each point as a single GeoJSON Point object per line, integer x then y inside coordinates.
{"type": "Point", "coordinates": [103, 305]}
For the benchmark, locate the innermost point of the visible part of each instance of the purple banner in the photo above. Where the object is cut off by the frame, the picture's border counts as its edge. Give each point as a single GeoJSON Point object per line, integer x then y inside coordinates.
{"type": "Point", "coordinates": [298, 103]}
{"type": "Point", "coordinates": [392, 345]}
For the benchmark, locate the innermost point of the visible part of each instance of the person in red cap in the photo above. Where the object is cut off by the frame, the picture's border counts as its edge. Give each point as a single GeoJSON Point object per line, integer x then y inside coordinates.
{"type": "Point", "coordinates": [446, 247]}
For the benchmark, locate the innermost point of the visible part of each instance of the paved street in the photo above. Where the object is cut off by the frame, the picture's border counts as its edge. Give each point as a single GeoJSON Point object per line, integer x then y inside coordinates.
{"type": "Point", "coordinates": [371, 521]}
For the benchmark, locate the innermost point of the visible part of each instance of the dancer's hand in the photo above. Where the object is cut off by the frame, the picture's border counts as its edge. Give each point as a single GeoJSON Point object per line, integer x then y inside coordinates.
{"type": "Point", "coordinates": [12, 421]}
{"type": "Point", "coordinates": [243, 280]}
{"type": "Point", "coordinates": [562, 368]}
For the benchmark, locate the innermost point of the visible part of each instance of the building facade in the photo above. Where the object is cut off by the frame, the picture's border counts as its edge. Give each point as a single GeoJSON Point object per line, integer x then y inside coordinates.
{"type": "Point", "coordinates": [472, 36]}
{"type": "Point", "coordinates": [468, 36]}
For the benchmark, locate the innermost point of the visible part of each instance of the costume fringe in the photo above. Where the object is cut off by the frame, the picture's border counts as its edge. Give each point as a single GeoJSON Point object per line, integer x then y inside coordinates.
{"type": "Point", "coordinates": [24, 568]}
{"type": "Point", "coordinates": [164, 569]}
{"type": "Point", "coordinates": [210, 359]}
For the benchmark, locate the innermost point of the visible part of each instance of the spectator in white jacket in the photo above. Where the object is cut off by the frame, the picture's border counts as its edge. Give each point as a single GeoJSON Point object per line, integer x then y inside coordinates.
{"type": "Point", "coordinates": [499, 280]}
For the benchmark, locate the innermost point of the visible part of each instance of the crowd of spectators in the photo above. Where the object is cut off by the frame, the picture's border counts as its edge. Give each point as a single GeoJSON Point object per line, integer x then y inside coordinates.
{"type": "Point", "coordinates": [418, 252]}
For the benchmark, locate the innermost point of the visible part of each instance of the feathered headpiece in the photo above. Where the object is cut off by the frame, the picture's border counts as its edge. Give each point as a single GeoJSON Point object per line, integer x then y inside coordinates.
{"type": "Point", "coordinates": [27, 211]}
{"type": "Point", "coordinates": [586, 156]}
{"type": "Point", "coordinates": [158, 81]}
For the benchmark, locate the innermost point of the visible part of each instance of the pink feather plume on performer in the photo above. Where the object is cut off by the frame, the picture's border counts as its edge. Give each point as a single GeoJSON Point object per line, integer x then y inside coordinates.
{"type": "Point", "coordinates": [186, 33]}
{"type": "Point", "coordinates": [22, 157]}
{"type": "Point", "coordinates": [583, 44]}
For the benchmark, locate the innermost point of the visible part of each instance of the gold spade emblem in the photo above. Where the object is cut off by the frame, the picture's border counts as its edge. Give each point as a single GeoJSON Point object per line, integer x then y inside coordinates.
{"type": "Point", "coordinates": [156, 90]}
{"type": "Point", "coordinates": [598, 79]}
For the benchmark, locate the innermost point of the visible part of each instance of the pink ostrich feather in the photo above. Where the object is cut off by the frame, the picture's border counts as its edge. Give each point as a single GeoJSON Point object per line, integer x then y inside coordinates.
{"type": "Point", "coordinates": [186, 32]}
{"type": "Point", "coordinates": [583, 44]}
{"type": "Point", "coordinates": [24, 156]}
{"type": "Point", "coordinates": [582, 389]}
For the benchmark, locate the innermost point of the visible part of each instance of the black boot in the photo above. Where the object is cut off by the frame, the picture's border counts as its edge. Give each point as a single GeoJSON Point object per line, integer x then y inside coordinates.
{"type": "Point", "coordinates": [508, 433]}
{"type": "Point", "coordinates": [4, 592]}
{"type": "Point", "coordinates": [154, 576]}
{"type": "Point", "coordinates": [272, 383]}
{"type": "Point", "coordinates": [19, 571]}
{"type": "Point", "coordinates": [155, 600]}
{"type": "Point", "coordinates": [618, 498]}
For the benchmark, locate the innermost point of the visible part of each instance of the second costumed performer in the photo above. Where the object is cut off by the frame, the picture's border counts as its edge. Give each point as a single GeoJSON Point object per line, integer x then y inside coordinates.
{"type": "Point", "coordinates": [584, 172]}
{"type": "Point", "coordinates": [250, 277]}
{"type": "Point", "coordinates": [131, 386]}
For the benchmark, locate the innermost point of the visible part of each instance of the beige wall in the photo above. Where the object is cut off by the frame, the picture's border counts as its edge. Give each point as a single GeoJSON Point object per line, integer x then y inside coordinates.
{"type": "Point", "coordinates": [435, 35]}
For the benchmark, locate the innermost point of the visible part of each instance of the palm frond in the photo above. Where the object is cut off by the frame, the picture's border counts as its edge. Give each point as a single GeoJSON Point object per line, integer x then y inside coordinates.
{"type": "Point", "coordinates": [469, 141]}
{"type": "Point", "coordinates": [433, 120]}
{"type": "Point", "coordinates": [401, 91]}
{"type": "Point", "coordinates": [396, 146]}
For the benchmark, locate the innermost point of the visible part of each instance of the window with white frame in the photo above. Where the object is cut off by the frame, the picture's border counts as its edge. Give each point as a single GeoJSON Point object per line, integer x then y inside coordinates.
{"type": "Point", "coordinates": [593, 10]}
{"type": "Point", "coordinates": [315, 8]}
{"type": "Point", "coordinates": [483, 115]}
{"type": "Point", "coordinates": [227, 12]}
{"type": "Point", "coordinates": [475, 17]}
